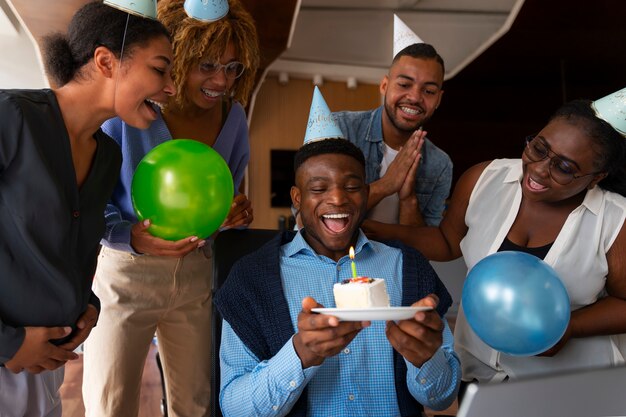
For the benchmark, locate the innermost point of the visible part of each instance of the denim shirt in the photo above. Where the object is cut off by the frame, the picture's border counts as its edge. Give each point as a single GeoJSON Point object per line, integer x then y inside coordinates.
{"type": "Point", "coordinates": [434, 174]}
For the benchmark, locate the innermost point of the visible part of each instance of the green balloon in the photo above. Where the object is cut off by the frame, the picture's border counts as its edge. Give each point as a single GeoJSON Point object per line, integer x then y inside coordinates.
{"type": "Point", "coordinates": [184, 187]}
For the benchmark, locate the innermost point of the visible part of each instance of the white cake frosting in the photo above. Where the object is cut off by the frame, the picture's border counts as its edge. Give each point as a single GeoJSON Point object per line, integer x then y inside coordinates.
{"type": "Point", "coordinates": [361, 292]}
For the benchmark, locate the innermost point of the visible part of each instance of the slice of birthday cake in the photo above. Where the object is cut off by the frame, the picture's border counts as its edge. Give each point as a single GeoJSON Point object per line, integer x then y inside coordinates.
{"type": "Point", "coordinates": [361, 292]}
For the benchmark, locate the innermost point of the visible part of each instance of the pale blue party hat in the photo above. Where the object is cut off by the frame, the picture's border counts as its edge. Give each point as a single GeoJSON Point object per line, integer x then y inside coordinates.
{"type": "Point", "coordinates": [206, 10]}
{"type": "Point", "coordinates": [143, 8]}
{"type": "Point", "coordinates": [321, 124]}
{"type": "Point", "coordinates": [612, 109]}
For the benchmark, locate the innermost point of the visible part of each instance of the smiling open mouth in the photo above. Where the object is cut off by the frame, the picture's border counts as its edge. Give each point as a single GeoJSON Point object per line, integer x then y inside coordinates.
{"type": "Point", "coordinates": [212, 93]}
{"type": "Point", "coordinates": [154, 105]}
{"type": "Point", "coordinates": [411, 111]}
{"type": "Point", "coordinates": [534, 185]}
{"type": "Point", "coordinates": [336, 222]}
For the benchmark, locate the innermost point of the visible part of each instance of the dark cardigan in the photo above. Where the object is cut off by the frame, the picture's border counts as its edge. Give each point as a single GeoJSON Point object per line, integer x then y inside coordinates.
{"type": "Point", "coordinates": [252, 301]}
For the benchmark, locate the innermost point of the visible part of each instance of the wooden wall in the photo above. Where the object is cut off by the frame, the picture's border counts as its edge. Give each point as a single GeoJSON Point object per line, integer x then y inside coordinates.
{"type": "Point", "coordinates": [556, 51]}
{"type": "Point", "coordinates": [279, 121]}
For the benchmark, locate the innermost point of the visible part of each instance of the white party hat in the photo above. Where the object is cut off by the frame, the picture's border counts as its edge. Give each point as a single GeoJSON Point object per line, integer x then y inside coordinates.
{"type": "Point", "coordinates": [321, 124]}
{"type": "Point", "coordinates": [403, 36]}
{"type": "Point", "coordinates": [612, 109]}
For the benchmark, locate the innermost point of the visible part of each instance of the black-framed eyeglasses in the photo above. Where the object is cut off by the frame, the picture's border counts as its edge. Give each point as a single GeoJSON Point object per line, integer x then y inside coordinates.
{"type": "Point", "coordinates": [232, 70]}
{"type": "Point", "coordinates": [561, 170]}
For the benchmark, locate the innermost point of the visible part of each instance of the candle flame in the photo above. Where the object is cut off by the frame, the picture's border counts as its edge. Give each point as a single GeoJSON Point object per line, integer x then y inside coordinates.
{"type": "Point", "coordinates": [351, 252]}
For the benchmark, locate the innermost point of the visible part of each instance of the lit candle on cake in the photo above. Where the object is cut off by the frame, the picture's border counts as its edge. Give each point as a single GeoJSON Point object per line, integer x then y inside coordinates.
{"type": "Point", "coordinates": [354, 275]}
{"type": "Point", "coordinates": [360, 292]}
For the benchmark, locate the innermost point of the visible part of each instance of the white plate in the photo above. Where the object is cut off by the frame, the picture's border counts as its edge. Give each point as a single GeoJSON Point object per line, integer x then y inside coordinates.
{"type": "Point", "coordinates": [371, 314]}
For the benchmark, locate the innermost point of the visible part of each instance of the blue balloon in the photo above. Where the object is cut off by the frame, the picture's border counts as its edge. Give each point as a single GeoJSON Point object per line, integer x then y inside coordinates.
{"type": "Point", "coordinates": [516, 303]}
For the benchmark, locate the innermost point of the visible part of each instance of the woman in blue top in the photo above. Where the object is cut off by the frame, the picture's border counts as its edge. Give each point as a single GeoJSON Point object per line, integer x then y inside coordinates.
{"type": "Point", "coordinates": [148, 284]}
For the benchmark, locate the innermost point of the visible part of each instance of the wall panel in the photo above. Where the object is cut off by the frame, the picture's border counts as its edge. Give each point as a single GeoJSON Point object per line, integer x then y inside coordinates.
{"type": "Point", "coordinates": [279, 121]}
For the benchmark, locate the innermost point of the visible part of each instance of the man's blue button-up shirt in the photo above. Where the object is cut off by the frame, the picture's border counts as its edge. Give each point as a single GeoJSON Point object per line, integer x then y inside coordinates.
{"type": "Point", "coordinates": [359, 381]}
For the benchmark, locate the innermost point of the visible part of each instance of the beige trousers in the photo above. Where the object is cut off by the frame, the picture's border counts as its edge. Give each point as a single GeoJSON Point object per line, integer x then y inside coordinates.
{"type": "Point", "coordinates": [141, 295]}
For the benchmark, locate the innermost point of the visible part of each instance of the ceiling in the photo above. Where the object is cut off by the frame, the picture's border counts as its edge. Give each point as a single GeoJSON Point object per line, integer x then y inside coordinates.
{"type": "Point", "coordinates": [326, 39]}
{"type": "Point", "coordinates": [24, 23]}
{"type": "Point", "coordinates": [520, 59]}
{"type": "Point", "coordinates": [345, 39]}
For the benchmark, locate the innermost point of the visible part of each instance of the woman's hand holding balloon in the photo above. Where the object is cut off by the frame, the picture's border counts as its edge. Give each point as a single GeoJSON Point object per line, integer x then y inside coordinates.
{"type": "Point", "coordinates": [143, 242]}
{"type": "Point", "coordinates": [241, 213]}
{"type": "Point", "coordinates": [559, 345]}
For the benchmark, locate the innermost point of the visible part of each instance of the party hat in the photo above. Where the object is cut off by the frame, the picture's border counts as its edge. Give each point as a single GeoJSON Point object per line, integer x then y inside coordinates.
{"type": "Point", "coordinates": [403, 36]}
{"type": "Point", "coordinates": [206, 10]}
{"type": "Point", "coordinates": [612, 109]}
{"type": "Point", "coordinates": [321, 124]}
{"type": "Point", "coordinates": [143, 8]}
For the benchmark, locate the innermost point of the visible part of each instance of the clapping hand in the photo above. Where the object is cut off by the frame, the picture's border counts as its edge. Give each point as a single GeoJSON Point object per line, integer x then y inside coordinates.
{"type": "Point", "coordinates": [404, 161]}
{"type": "Point", "coordinates": [407, 189]}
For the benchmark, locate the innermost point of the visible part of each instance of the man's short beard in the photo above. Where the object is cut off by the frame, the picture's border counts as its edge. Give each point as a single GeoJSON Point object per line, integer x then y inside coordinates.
{"type": "Point", "coordinates": [390, 116]}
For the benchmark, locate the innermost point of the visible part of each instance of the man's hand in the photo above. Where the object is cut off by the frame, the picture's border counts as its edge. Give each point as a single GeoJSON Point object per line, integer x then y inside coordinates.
{"type": "Point", "coordinates": [394, 178]}
{"type": "Point", "coordinates": [143, 242]}
{"type": "Point", "coordinates": [321, 336]}
{"type": "Point", "coordinates": [407, 190]}
{"type": "Point", "coordinates": [37, 353]}
{"type": "Point", "coordinates": [409, 212]}
{"type": "Point", "coordinates": [419, 338]}
{"type": "Point", "coordinates": [402, 163]}
{"type": "Point", "coordinates": [241, 213]}
{"type": "Point", "coordinates": [85, 323]}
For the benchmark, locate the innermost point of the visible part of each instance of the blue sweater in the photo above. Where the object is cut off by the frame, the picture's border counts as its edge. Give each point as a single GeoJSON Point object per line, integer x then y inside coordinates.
{"type": "Point", "coordinates": [257, 309]}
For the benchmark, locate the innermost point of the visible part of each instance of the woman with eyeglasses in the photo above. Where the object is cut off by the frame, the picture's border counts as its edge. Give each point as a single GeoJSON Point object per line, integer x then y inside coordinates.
{"type": "Point", "coordinates": [147, 284]}
{"type": "Point", "coordinates": [563, 202]}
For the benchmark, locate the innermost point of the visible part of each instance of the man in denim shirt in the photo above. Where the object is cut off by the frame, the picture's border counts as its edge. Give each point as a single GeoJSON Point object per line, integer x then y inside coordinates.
{"type": "Point", "coordinates": [416, 175]}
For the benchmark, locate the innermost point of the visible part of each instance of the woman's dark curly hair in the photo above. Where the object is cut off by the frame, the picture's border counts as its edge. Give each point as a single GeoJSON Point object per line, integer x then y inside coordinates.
{"type": "Point", "coordinates": [95, 24]}
{"type": "Point", "coordinates": [608, 144]}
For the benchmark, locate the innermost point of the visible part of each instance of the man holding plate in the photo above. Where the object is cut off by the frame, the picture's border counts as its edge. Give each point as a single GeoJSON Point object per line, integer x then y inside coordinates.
{"type": "Point", "coordinates": [280, 358]}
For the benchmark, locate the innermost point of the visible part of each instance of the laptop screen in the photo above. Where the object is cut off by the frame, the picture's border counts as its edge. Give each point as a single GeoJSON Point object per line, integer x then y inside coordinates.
{"type": "Point", "coordinates": [593, 393]}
